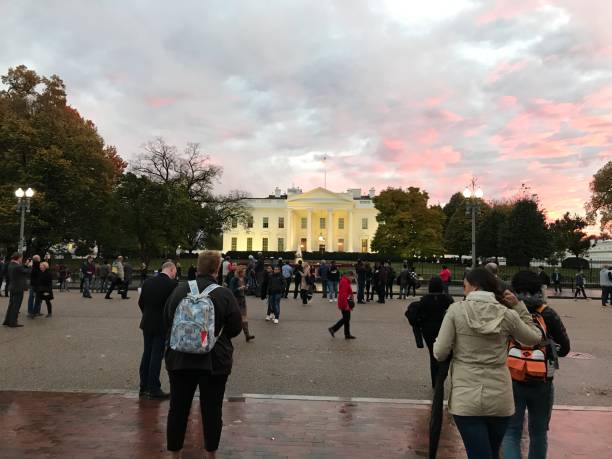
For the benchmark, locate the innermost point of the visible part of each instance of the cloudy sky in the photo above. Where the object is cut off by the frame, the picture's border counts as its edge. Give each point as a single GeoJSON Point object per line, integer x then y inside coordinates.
{"type": "Point", "coordinates": [395, 92]}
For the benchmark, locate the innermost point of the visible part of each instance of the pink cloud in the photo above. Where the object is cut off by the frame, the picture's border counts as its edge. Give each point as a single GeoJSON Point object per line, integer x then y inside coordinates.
{"type": "Point", "coordinates": [430, 136]}
{"type": "Point", "coordinates": [505, 68]}
{"type": "Point", "coordinates": [506, 9]}
{"type": "Point", "coordinates": [158, 102]}
{"type": "Point", "coordinates": [450, 116]}
{"type": "Point", "coordinates": [508, 101]}
{"type": "Point", "coordinates": [394, 144]}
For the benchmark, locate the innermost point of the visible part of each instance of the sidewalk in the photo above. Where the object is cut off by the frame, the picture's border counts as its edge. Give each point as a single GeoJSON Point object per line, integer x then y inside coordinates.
{"type": "Point", "coordinates": [119, 425]}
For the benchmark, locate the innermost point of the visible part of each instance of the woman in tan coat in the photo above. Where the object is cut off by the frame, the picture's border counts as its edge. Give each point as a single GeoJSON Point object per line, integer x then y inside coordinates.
{"type": "Point", "coordinates": [476, 332]}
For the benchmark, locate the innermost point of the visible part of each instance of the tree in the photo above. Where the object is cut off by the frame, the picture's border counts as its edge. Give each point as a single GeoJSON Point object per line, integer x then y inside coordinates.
{"type": "Point", "coordinates": [458, 231]}
{"type": "Point", "coordinates": [490, 231]}
{"type": "Point", "coordinates": [191, 175]}
{"type": "Point", "coordinates": [407, 226]}
{"type": "Point", "coordinates": [47, 145]}
{"type": "Point", "coordinates": [525, 234]}
{"type": "Point", "coordinates": [600, 203]}
{"type": "Point", "coordinates": [567, 235]}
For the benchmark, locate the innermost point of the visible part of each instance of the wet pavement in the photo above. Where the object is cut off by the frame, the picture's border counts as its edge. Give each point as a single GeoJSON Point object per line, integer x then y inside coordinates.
{"type": "Point", "coordinates": [119, 425]}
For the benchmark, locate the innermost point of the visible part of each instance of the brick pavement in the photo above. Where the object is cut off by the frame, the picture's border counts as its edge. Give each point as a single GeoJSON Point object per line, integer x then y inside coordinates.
{"type": "Point", "coordinates": [89, 425]}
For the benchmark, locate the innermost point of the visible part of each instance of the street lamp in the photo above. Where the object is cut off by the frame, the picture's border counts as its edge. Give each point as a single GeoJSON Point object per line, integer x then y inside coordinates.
{"type": "Point", "coordinates": [472, 205]}
{"type": "Point", "coordinates": [23, 206]}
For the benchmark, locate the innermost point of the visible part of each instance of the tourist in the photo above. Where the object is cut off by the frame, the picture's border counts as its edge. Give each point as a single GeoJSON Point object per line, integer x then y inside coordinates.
{"type": "Point", "coordinates": [208, 371]}
{"type": "Point", "coordinates": [259, 272]}
{"type": "Point", "coordinates": [88, 270]}
{"type": "Point", "coordinates": [276, 289]}
{"type": "Point", "coordinates": [287, 271]}
{"type": "Point", "coordinates": [323, 273]}
{"type": "Point", "coordinates": [413, 281]}
{"type": "Point", "coordinates": [345, 293]}
{"type": "Point", "coordinates": [556, 280]}
{"type": "Point", "coordinates": [34, 273]}
{"type": "Point", "coordinates": [105, 269]}
{"type": "Point", "coordinates": [545, 279]}
{"type": "Point", "coordinates": [44, 289]}
{"type": "Point", "coordinates": [117, 276]}
{"type": "Point", "coordinates": [333, 277]}
{"type": "Point", "coordinates": [579, 285]}
{"type": "Point", "coordinates": [307, 284]}
{"type": "Point", "coordinates": [361, 281]}
{"type": "Point", "coordinates": [535, 395]}
{"type": "Point", "coordinates": [226, 269]}
{"type": "Point", "coordinates": [446, 277]}
{"type": "Point", "coordinates": [18, 280]}
{"type": "Point", "coordinates": [238, 287]}
{"type": "Point", "coordinates": [153, 295]}
{"type": "Point", "coordinates": [298, 270]}
{"type": "Point", "coordinates": [605, 281]}
{"type": "Point", "coordinates": [404, 282]}
{"type": "Point", "coordinates": [391, 277]}
{"type": "Point", "coordinates": [369, 291]}
{"type": "Point", "coordinates": [475, 331]}
{"type": "Point", "coordinates": [494, 269]}
{"type": "Point", "coordinates": [427, 315]}
{"type": "Point", "coordinates": [381, 285]}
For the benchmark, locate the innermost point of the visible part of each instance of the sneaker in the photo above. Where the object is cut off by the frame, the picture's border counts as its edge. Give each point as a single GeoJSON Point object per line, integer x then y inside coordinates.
{"type": "Point", "coordinates": [331, 300]}
{"type": "Point", "coordinates": [268, 318]}
{"type": "Point", "coordinates": [331, 332]}
{"type": "Point", "coordinates": [276, 321]}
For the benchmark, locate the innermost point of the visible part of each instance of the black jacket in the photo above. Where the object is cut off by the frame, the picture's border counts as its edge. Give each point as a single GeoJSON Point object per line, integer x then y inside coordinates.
{"type": "Point", "coordinates": [276, 284]}
{"type": "Point", "coordinates": [155, 292]}
{"type": "Point", "coordinates": [544, 278]}
{"type": "Point", "coordinates": [334, 273]}
{"type": "Point", "coordinates": [34, 274]}
{"type": "Point", "coordinates": [44, 286]}
{"type": "Point", "coordinates": [18, 277]}
{"type": "Point", "coordinates": [228, 319]}
{"type": "Point", "coordinates": [430, 314]}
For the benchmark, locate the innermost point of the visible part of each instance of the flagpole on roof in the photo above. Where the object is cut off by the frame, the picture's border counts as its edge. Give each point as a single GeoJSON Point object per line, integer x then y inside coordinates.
{"type": "Point", "coordinates": [324, 171]}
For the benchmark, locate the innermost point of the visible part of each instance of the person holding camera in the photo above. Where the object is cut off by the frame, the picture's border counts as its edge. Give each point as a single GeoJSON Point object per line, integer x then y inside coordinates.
{"type": "Point", "coordinates": [346, 303]}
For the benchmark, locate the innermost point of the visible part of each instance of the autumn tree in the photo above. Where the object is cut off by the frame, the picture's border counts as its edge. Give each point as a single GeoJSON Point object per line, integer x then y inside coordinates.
{"type": "Point", "coordinates": [600, 204]}
{"type": "Point", "coordinates": [567, 235]}
{"type": "Point", "coordinates": [407, 226]}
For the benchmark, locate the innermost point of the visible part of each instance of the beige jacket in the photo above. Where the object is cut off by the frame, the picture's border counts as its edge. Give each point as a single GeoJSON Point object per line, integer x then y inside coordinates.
{"type": "Point", "coordinates": [476, 331]}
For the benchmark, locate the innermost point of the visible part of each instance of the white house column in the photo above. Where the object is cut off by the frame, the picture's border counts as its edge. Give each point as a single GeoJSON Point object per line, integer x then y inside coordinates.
{"type": "Point", "coordinates": [330, 231]}
{"type": "Point", "coordinates": [309, 229]}
{"type": "Point", "coordinates": [288, 226]}
{"type": "Point", "coordinates": [350, 231]}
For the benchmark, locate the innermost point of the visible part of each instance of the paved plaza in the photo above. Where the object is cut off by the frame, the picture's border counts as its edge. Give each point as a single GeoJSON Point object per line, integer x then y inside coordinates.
{"type": "Point", "coordinates": [360, 398]}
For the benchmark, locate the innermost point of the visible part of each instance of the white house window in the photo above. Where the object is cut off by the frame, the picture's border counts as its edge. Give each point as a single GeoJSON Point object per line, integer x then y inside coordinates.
{"type": "Point", "coordinates": [340, 245]}
{"type": "Point", "coordinates": [341, 223]}
{"type": "Point", "coordinates": [304, 223]}
{"type": "Point", "coordinates": [234, 222]}
{"type": "Point", "coordinates": [322, 223]}
{"type": "Point", "coordinates": [250, 221]}
{"type": "Point", "coordinates": [281, 222]}
{"type": "Point", "coordinates": [265, 222]}
{"type": "Point", "coordinates": [234, 243]}
{"type": "Point", "coordinates": [281, 244]}
{"type": "Point", "coordinates": [249, 243]}
{"type": "Point", "coordinates": [364, 223]}
{"type": "Point", "coordinates": [264, 244]}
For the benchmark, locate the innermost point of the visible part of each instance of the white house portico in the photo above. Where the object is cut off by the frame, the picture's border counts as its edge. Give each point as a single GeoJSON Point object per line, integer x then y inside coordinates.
{"type": "Point", "coordinates": [318, 220]}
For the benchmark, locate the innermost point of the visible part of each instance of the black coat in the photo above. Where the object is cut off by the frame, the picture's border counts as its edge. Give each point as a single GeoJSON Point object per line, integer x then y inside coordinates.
{"type": "Point", "coordinates": [276, 284]}
{"type": "Point", "coordinates": [44, 286]}
{"type": "Point", "coordinates": [18, 277]}
{"type": "Point", "coordinates": [155, 292]}
{"type": "Point", "coordinates": [430, 314]}
{"type": "Point", "coordinates": [34, 274]}
{"type": "Point", "coordinates": [228, 319]}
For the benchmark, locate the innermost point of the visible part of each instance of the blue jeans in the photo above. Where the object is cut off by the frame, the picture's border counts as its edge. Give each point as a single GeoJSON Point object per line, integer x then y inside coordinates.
{"type": "Point", "coordinates": [151, 362]}
{"type": "Point", "coordinates": [275, 299]}
{"type": "Point", "coordinates": [332, 289]}
{"type": "Point", "coordinates": [87, 281]}
{"type": "Point", "coordinates": [32, 302]}
{"type": "Point", "coordinates": [537, 398]}
{"type": "Point", "coordinates": [324, 287]}
{"type": "Point", "coordinates": [482, 435]}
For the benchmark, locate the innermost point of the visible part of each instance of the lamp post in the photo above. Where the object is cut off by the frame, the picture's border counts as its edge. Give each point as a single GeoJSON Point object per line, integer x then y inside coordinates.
{"type": "Point", "coordinates": [472, 195]}
{"type": "Point", "coordinates": [23, 206]}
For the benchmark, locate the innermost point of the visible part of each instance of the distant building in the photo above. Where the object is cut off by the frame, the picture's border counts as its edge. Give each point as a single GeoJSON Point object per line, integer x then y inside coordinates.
{"type": "Point", "coordinates": [599, 254]}
{"type": "Point", "coordinates": [317, 220]}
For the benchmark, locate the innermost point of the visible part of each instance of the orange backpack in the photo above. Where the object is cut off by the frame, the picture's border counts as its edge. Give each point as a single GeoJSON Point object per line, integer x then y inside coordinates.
{"type": "Point", "coordinates": [531, 363]}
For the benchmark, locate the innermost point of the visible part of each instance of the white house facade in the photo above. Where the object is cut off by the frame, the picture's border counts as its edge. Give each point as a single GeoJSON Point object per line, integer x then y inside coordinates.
{"type": "Point", "coordinates": [317, 220]}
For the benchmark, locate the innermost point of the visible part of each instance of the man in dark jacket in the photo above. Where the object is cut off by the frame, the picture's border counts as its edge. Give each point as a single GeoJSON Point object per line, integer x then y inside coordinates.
{"type": "Point", "coordinates": [276, 289]}
{"type": "Point", "coordinates": [298, 272]}
{"type": "Point", "coordinates": [536, 396]}
{"type": "Point", "coordinates": [208, 371]}
{"type": "Point", "coordinates": [88, 269]}
{"type": "Point", "coordinates": [18, 283]}
{"type": "Point", "coordinates": [361, 281]}
{"type": "Point", "coordinates": [34, 273]}
{"type": "Point", "coordinates": [153, 297]}
{"type": "Point", "coordinates": [323, 272]}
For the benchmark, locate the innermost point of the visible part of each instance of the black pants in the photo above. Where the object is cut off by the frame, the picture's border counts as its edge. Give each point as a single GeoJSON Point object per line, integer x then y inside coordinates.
{"type": "Point", "coordinates": [39, 300]}
{"type": "Point", "coordinates": [117, 283]}
{"type": "Point", "coordinates": [287, 286]}
{"type": "Point", "coordinates": [296, 289]}
{"type": "Point", "coordinates": [433, 363]}
{"type": "Point", "coordinates": [558, 287]}
{"type": "Point", "coordinates": [389, 290]}
{"type": "Point", "coordinates": [368, 291]}
{"type": "Point", "coordinates": [580, 288]}
{"type": "Point", "coordinates": [151, 362]}
{"type": "Point", "coordinates": [606, 293]}
{"type": "Point", "coordinates": [346, 321]}
{"type": "Point", "coordinates": [13, 308]}
{"type": "Point", "coordinates": [360, 290]}
{"type": "Point", "coordinates": [183, 384]}
{"type": "Point", "coordinates": [381, 293]}
{"type": "Point", "coordinates": [6, 286]}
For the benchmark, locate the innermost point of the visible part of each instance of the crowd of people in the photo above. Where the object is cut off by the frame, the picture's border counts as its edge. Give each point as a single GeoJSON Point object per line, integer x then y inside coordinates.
{"type": "Point", "coordinates": [502, 341]}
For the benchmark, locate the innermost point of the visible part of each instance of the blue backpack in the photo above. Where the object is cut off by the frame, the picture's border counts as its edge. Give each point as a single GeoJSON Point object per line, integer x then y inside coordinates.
{"type": "Point", "coordinates": [193, 327]}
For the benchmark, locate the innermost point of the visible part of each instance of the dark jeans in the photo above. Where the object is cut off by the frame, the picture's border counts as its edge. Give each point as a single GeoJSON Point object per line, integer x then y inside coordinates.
{"type": "Point", "coordinates": [275, 299]}
{"type": "Point", "coordinates": [482, 435]}
{"type": "Point", "coordinates": [304, 295]}
{"type": "Point", "coordinates": [369, 293]}
{"type": "Point", "coordinates": [287, 286]}
{"type": "Point", "coordinates": [32, 301]}
{"type": "Point", "coordinates": [381, 293]}
{"type": "Point", "coordinates": [296, 287]}
{"type": "Point", "coordinates": [606, 293]}
{"type": "Point", "coordinates": [360, 290]}
{"type": "Point", "coordinates": [580, 289]}
{"type": "Point", "coordinates": [433, 363]}
{"type": "Point", "coordinates": [151, 362]}
{"type": "Point", "coordinates": [39, 300]}
{"type": "Point", "coordinates": [117, 283]}
{"type": "Point", "coordinates": [14, 306]}
{"type": "Point", "coordinates": [389, 290]}
{"type": "Point", "coordinates": [346, 321]}
{"type": "Point", "coordinates": [183, 384]}
{"type": "Point", "coordinates": [537, 398]}
{"type": "Point", "coordinates": [413, 287]}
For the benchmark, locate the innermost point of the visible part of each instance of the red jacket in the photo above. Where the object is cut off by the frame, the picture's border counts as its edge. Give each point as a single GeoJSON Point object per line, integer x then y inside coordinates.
{"type": "Point", "coordinates": [445, 275]}
{"type": "Point", "coordinates": [344, 292]}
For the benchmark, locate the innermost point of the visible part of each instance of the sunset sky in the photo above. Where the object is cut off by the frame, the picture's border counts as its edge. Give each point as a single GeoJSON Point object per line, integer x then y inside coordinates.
{"type": "Point", "coordinates": [396, 92]}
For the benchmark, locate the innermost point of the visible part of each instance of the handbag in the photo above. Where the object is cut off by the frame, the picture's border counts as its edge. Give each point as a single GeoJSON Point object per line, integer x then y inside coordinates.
{"type": "Point", "coordinates": [351, 302]}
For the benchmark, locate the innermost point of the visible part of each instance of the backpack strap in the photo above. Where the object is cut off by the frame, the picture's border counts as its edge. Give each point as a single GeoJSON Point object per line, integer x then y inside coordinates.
{"type": "Point", "coordinates": [209, 289]}
{"type": "Point", "coordinates": [193, 287]}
